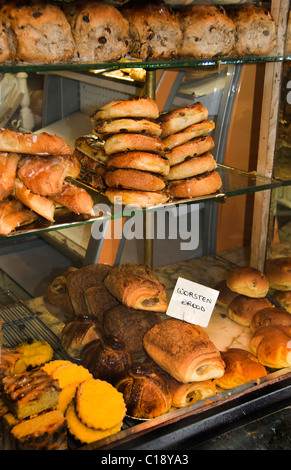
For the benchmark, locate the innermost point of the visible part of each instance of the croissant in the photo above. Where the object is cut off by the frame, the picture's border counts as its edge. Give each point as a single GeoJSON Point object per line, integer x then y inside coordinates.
{"type": "Point", "coordinates": [145, 393]}
{"type": "Point", "coordinates": [184, 351]}
{"type": "Point", "coordinates": [39, 204]}
{"type": "Point", "coordinates": [136, 286]}
{"type": "Point", "coordinates": [8, 167]}
{"type": "Point", "coordinates": [12, 215]}
{"type": "Point", "coordinates": [75, 199]}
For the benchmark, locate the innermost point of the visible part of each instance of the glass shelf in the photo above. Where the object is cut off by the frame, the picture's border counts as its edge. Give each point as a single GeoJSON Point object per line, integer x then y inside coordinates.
{"type": "Point", "coordinates": [234, 182]}
{"type": "Point", "coordinates": [13, 67]}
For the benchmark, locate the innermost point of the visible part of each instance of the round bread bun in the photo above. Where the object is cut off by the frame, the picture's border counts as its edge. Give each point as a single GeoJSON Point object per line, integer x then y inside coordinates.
{"type": "Point", "coordinates": [144, 126]}
{"type": "Point", "coordinates": [225, 294]}
{"type": "Point", "coordinates": [138, 160]}
{"type": "Point", "coordinates": [272, 346]}
{"type": "Point", "coordinates": [136, 198]}
{"type": "Point", "coordinates": [242, 308]}
{"type": "Point", "coordinates": [248, 281]}
{"type": "Point", "coordinates": [284, 299]}
{"type": "Point", "coordinates": [117, 143]}
{"type": "Point", "coordinates": [143, 107]}
{"type": "Point", "coordinates": [278, 271]}
{"type": "Point", "coordinates": [201, 185]}
{"type": "Point", "coordinates": [241, 366]}
{"type": "Point", "coordinates": [270, 316]}
{"type": "Point", "coordinates": [134, 179]}
{"type": "Point", "coordinates": [178, 119]}
{"type": "Point", "coordinates": [192, 167]}
{"type": "Point", "coordinates": [193, 148]}
{"type": "Point", "coordinates": [191, 132]}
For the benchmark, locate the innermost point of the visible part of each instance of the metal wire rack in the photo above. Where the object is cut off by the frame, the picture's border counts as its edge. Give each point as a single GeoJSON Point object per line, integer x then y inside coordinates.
{"type": "Point", "coordinates": [20, 324]}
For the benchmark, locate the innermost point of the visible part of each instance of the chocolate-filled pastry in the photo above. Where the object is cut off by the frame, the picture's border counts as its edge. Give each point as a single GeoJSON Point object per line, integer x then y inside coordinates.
{"type": "Point", "coordinates": [241, 366]}
{"type": "Point", "coordinates": [248, 281]}
{"type": "Point", "coordinates": [33, 144]}
{"type": "Point", "coordinates": [137, 198]}
{"type": "Point", "coordinates": [179, 119]}
{"type": "Point", "coordinates": [92, 147]}
{"type": "Point", "coordinates": [195, 186]}
{"type": "Point", "coordinates": [192, 148]}
{"type": "Point", "coordinates": [192, 167]}
{"type": "Point", "coordinates": [144, 161]}
{"type": "Point", "coordinates": [129, 325]}
{"type": "Point", "coordinates": [14, 214]}
{"type": "Point", "coordinates": [75, 198]}
{"type": "Point", "coordinates": [80, 280]}
{"type": "Point", "coordinates": [46, 175]}
{"type": "Point", "coordinates": [57, 292]}
{"type": "Point", "coordinates": [8, 167]}
{"type": "Point", "coordinates": [136, 286]}
{"type": "Point", "coordinates": [143, 107]}
{"type": "Point", "coordinates": [145, 394]}
{"type": "Point", "coordinates": [154, 30]}
{"type": "Point", "coordinates": [77, 333]}
{"type": "Point", "coordinates": [270, 316]}
{"type": "Point", "coordinates": [243, 308]}
{"type": "Point", "coordinates": [134, 179]}
{"type": "Point", "coordinates": [183, 350]}
{"type": "Point", "coordinates": [278, 272]}
{"type": "Point", "coordinates": [99, 30]}
{"type": "Point", "coordinates": [272, 346]}
{"type": "Point", "coordinates": [107, 359]}
{"type": "Point", "coordinates": [129, 142]}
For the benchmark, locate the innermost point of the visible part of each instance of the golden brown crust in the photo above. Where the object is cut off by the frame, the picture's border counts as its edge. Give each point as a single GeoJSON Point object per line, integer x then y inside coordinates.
{"type": "Point", "coordinates": [129, 142]}
{"type": "Point", "coordinates": [75, 198]}
{"type": "Point", "coordinates": [98, 301]}
{"type": "Point", "coordinates": [185, 394]}
{"type": "Point", "coordinates": [284, 299]}
{"type": "Point", "coordinates": [179, 119]}
{"type": "Point", "coordinates": [193, 148]}
{"type": "Point", "coordinates": [248, 281]}
{"type": "Point", "coordinates": [225, 294]}
{"type": "Point", "coordinates": [57, 293]}
{"type": "Point", "coordinates": [241, 366]}
{"type": "Point", "coordinates": [272, 346]}
{"type": "Point", "coordinates": [8, 167]}
{"type": "Point", "coordinates": [77, 333]}
{"type": "Point", "coordinates": [92, 147]}
{"type": "Point", "coordinates": [145, 126]}
{"type": "Point", "coordinates": [201, 185]}
{"type": "Point", "coordinates": [41, 144]}
{"type": "Point", "coordinates": [39, 204]}
{"type": "Point", "coordinates": [13, 215]}
{"type": "Point", "coordinates": [134, 179]}
{"type": "Point", "coordinates": [192, 167]}
{"type": "Point", "coordinates": [143, 107]}
{"type": "Point", "coordinates": [184, 351]}
{"type": "Point", "coordinates": [145, 393]}
{"type": "Point", "coordinates": [243, 308]}
{"type": "Point", "coordinates": [139, 160]}
{"type": "Point", "coordinates": [137, 198]}
{"type": "Point", "coordinates": [270, 316]}
{"type": "Point", "coordinates": [191, 132]}
{"type": "Point", "coordinates": [278, 271]}
{"type": "Point", "coordinates": [136, 286]}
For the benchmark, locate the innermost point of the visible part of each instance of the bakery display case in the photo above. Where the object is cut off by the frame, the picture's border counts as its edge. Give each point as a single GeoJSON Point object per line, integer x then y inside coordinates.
{"type": "Point", "coordinates": [252, 184]}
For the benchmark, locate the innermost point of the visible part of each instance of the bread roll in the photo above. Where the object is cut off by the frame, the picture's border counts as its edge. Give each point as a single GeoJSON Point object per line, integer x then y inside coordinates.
{"type": "Point", "coordinates": [155, 31]}
{"type": "Point", "coordinates": [272, 346]}
{"type": "Point", "coordinates": [144, 161]}
{"type": "Point", "coordinates": [142, 107]}
{"type": "Point", "coordinates": [270, 316]}
{"type": "Point", "coordinates": [193, 148]}
{"type": "Point", "coordinates": [284, 299]}
{"type": "Point", "coordinates": [278, 271]}
{"type": "Point", "coordinates": [137, 198]}
{"type": "Point", "coordinates": [136, 286]}
{"type": "Point", "coordinates": [255, 30]}
{"type": "Point", "coordinates": [225, 294]}
{"type": "Point", "coordinates": [184, 351]}
{"type": "Point", "coordinates": [179, 119]}
{"type": "Point", "coordinates": [242, 308]}
{"type": "Point", "coordinates": [192, 167]}
{"type": "Point", "coordinates": [145, 394]}
{"type": "Point", "coordinates": [75, 198]}
{"type": "Point", "coordinates": [248, 281]}
{"type": "Point", "coordinates": [129, 325]}
{"type": "Point", "coordinates": [40, 30]}
{"type": "Point", "coordinates": [241, 366]}
{"type": "Point", "coordinates": [195, 186]}
{"type": "Point", "coordinates": [8, 167]}
{"type": "Point", "coordinates": [134, 179]}
{"type": "Point", "coordinates": [100, 31]}
{"type": "Point", "coordinates": [191, 132]}
{"type": "Point", "coordinates": [131, 142]}
{"type": "Point", "coordinates": [207, 31]}
{"type": "Point", "coordinates": [39, 204]}
{"type": "Point", "coordinates": [33, 144]}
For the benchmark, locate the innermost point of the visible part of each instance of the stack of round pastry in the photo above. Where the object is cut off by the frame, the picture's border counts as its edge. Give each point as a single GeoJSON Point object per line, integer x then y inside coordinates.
{"type": "Point", "coordinates": [279, 274]}
{"type": "Point", "coordinates": [137, 164]}
{"type": "Point", "coordinates": [192, 166]}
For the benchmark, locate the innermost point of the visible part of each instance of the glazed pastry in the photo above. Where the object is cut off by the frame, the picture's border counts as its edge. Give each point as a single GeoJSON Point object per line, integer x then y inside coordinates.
{"type": "Point", "coordinates": [8, 167]}
{"type": "Point", "coordinates": [136, 286]}
{"type": "Point", "coordinates": [270, 317]}
{"type": "Point", "coordinates": [242, 309]}
{"type": "Point", "coordinates": [248, 281]}
{"type": "Point", "coordinates": [75, 198]}
{"type": "Point", "coordinates": [14, 214]}
{"type": "Point", "coordinates": [33, 144]}
{"type": "Point", "coordinates": [272, 346]}
{"type": "Point", "coordinates": [40, 204]}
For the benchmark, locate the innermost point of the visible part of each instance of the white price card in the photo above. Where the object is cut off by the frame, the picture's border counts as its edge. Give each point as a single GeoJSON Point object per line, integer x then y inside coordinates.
{"type": "Point", "coordinates": [192, 302]}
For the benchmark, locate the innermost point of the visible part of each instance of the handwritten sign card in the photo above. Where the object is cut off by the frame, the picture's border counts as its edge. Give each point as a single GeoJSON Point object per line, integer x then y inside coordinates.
{"type": "Point", "coordinates": [192, 302]}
